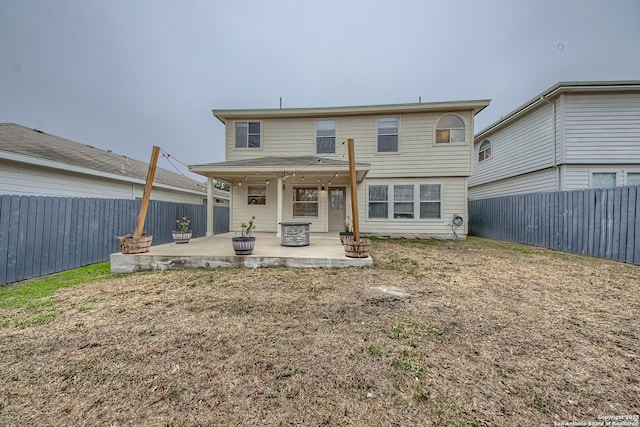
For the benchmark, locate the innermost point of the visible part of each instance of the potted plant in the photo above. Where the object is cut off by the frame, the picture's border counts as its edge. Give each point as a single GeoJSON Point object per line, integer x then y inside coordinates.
{"type": "Point", "coordinates": [347, 233]}
{"type": "Point", "coordinates": [182, 234]}
{"type": "Point", "coordinates": [243, 245]}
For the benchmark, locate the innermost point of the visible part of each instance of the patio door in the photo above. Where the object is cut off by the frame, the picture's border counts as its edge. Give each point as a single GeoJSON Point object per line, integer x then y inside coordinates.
{"type": "Point", "coordinates": [337, 208]}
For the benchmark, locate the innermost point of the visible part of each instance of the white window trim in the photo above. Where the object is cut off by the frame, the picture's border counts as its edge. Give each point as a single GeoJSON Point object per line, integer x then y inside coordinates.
{"type": "Point", "coordinates": [389, 153]}
{"type": "Point", "coordinates": [490, 148]}
{"type": "Point", "coordinates": [449, 144]}
{"type": "Point", "coordinates": [416, 202]}
{"type": "Point", "coordinates": [266, 195]}
{"type": "Point", "coordinates": [626, 175]}
{"type": "Point", "coordinates": [248, 148]}
{"type": "Point", "coordinates": [613, 171]}
{"type": "Point", "coordinates": [388, 202]}
{"type": "Point", "coordinates": [315, 136]}
{"type": "Point", "coordinates": [294, 201]}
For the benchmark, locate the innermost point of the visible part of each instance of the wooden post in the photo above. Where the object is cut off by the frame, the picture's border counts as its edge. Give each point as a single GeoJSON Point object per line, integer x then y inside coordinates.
{"type": "Point", "coordinates": [352, 188]}
{"type": "Point", "coordinates": [142, 215]}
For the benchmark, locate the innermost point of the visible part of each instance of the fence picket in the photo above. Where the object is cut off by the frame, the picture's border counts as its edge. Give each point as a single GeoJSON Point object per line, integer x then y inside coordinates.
{"type": "Point", "coordinates": [41, 235]}
{"type": "Point", "coordinates": [603, 223]}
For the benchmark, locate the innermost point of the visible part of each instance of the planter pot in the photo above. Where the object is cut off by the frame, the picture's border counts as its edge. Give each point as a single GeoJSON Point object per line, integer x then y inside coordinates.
{"type": "Point", "coordinates": [243, 245]}
{"type": "Point", "coordinates": [181, 236]}
{"type": "Point", "coordinates": [357, 249]}
{"type": "Point", "coordinates": [344, 235]}
{"type": "Point", "coordinates": [130, 244]}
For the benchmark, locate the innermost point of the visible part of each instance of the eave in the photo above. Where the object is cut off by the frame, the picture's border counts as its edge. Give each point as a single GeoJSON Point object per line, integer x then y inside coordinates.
{"type": "Point", "coordinates": [226, 115]}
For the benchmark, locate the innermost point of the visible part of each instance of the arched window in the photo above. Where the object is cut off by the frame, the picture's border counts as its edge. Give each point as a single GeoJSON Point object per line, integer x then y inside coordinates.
{"type": "Point", "coordinates": [484, 152]}
{"type": "Point", "coordinates": [450, 129]}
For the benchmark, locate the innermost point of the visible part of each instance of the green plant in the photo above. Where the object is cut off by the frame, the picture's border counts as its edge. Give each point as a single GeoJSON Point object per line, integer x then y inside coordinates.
{"type": "Point", "coordinates": [347, 225]}
{"type": "Point", "coordinates": [406, 364]}
{"type": "Point", "coordinates": [183, 224]}
{"type": "Point", "coordinates": [397, 332]}
{"type": "Point", "coordinates": [248, 228]}
{"type": "Point", "coordinates": [32, 296]}
{"type": "Point", "coordinates": [375, 350]}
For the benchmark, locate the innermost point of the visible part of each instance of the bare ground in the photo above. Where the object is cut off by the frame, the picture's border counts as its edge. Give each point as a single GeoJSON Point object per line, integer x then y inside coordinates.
{"type": "Point", "coordinates": [493, 334]}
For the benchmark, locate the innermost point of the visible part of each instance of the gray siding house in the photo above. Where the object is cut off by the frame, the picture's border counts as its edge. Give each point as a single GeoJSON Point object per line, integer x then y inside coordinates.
{"type": "Point", "coordinates": [574, 135]}
{"type": "Point", "coordinates": [35, 163]}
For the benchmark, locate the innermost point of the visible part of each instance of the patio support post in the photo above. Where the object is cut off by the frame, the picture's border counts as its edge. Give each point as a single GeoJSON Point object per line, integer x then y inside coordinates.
{"type": "Point", "coordinates": [353, 190]}
{"type": "Point", "coordinates": [279, 208]}
{"type": "Point", "coordinates": [144, 206]}
{"type": "Point", "coordinates": [209, 206]}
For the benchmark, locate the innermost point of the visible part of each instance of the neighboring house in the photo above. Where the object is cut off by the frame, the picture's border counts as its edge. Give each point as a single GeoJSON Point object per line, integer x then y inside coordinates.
{"type": "Point", "coordinates": [35, 163]}
{"type": "Point", "coordinates": [412, 161]}
{"type": "Point", "coordinates": [574, 135]}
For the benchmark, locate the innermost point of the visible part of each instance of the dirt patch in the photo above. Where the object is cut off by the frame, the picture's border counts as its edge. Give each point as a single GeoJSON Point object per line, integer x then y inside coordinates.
{"type": "Point", "coordinates": [491, 334]}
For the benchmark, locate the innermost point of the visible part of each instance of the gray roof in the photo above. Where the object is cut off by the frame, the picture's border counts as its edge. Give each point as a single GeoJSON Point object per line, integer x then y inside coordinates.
{"type": "Point", "coordinates": [23, 141]}
{"type": "Point", "coordinates": [560, 87]}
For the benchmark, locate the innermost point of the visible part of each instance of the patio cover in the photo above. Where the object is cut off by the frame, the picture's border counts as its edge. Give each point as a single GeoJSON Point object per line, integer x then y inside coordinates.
{"type": "Point", "coordinates": [278, 166]}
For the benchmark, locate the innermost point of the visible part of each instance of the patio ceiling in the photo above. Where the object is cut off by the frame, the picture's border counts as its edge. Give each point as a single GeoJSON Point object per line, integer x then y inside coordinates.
{"type": "Point", "coordinates": [279, 166]}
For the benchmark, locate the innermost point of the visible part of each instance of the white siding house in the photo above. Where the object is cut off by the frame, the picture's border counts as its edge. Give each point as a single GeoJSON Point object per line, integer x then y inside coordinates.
{"type": "Point", "coordinates": [36, 163]}
{"type": "Point", "coordinates": [574, 135]}
{"type": "Point", "coordinates": [412, 161]}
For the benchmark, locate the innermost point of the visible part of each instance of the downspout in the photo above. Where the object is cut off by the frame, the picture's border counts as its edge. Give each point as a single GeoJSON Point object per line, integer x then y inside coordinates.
{"type": "Point", "coordinates": [554, 138]}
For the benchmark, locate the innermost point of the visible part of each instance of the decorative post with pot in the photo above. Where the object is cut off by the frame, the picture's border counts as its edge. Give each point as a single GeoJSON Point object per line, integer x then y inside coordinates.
{"type": "Point", "coordinates": [356, 247]}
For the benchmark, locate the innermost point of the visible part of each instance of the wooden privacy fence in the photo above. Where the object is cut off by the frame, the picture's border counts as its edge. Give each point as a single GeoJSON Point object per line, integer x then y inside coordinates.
{"type": "Point", "coordinates": [42, 235]}
{"type": "Point", "coordinates": [603, 223]}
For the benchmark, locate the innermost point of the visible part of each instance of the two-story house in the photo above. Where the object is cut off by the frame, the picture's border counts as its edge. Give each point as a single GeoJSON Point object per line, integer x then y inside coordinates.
{"type": "Point", "coordinates": [574, 135]}
{"type": "Point", "coordinates": [412, 165]}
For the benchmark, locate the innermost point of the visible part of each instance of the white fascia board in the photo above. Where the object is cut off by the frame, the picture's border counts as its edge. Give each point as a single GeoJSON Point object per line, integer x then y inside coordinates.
{"type": "Point", "coordinates": [475, 105]}
{"type": "Point", "coordinates": [35, 161]}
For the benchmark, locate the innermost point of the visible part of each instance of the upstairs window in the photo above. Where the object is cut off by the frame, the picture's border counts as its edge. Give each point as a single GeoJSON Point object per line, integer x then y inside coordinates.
{"type": "Point", "coordinates": [450, 129]}
{"type": "Point", "coordinates": [484, 152]}
{"type": "Point", "coordinates": [387, 135]}
{"type": "Point", "coordinates": [326, 136]}
{"type": "Point", "coordinates": [247, 134]}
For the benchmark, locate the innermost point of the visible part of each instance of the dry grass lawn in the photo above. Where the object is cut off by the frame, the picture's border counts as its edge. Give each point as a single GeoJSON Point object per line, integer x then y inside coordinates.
{"type": "Point", "coordinates": [493, 334]}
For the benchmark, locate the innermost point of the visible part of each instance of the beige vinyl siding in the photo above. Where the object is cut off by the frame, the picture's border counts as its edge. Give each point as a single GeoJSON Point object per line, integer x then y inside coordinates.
{"type": "Point", "coordinates": [242, 212]}
{"type": "Point", "coordinates": [602, 128]}
{"type": "Point", "coordinates": [266, 215]}
{"type": "Point", "coordinates": [453, 201]}
{"type": "Point", "coordinates": [522, 147]}
{"type": "Point", "coordinates": [288, 137]}
{"type": "Point", "coordinates": [418, 156]}
{"type": "Point", "coordinates": [544, 180]}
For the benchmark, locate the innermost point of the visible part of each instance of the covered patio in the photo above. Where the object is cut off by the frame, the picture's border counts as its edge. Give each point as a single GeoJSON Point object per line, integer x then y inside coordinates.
{"type": "Point", "coordinates": [278, 189]}
{"type": "Point", "coordinates": [216, 251]}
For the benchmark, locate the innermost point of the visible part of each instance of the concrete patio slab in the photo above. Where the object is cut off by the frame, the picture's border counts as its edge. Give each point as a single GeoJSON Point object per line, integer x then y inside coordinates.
{"type": "Point", "coordinates": [325, 251]}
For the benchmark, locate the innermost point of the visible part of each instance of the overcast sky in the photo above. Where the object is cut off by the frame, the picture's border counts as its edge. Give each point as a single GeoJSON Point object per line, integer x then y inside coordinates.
{"type": "Point", "coordinates": [129, 74]}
